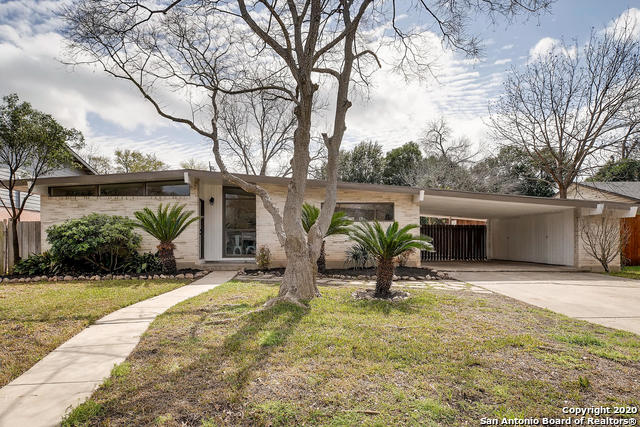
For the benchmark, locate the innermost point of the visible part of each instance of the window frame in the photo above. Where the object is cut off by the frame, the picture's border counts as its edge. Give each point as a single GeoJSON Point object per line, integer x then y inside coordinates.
{"type": "Point", "coordinates": [97, 188]}
{"type": "Point", "coordinates": [393, 209]}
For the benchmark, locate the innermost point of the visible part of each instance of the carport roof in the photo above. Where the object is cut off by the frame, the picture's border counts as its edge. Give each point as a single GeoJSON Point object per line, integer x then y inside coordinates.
{"type": "Point", "coordinates": [487, 205]}
{"type": "Point", "coordinates": [432, 202]}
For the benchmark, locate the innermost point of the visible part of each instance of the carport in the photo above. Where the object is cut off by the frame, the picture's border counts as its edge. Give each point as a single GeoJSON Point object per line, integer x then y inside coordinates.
{"type": "Point", "coordinates": [527, 229]}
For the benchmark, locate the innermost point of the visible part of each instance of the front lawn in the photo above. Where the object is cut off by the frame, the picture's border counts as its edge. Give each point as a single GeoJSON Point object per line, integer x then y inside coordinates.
{"type": "Point", "coordinates": [35, 318]}
{"type": "Point", "coordinates": [629, 272]}
{"type": "Point", "coordinates": [440, 358]}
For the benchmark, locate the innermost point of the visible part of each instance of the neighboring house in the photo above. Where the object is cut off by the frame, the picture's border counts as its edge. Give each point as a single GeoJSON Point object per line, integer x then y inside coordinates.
{"type": "Point", "coordinates": [619, 191]}
{"type": "Point", "coordinates": [234, 224]}
{"type": "Point", "coordinates": [31, 210]}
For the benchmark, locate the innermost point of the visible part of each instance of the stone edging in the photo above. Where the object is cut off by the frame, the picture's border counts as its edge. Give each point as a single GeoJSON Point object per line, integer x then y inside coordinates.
{"type": "Point", "coordinates": [98, 277]}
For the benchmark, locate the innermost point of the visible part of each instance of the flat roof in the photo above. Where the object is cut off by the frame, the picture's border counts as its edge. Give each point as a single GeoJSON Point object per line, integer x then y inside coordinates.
{"type": "Point", "coordinates": [432, 201]}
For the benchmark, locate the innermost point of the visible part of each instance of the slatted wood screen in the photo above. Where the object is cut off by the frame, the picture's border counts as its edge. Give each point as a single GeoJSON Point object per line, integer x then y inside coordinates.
{"type": "Point", "coordinates": [456, 242]}
{"type": "Point", "coordinates": [29, 242]}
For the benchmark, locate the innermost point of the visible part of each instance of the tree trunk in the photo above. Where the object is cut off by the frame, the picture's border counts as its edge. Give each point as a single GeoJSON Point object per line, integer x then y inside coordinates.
{"type": "Point", "coordinates": [167, 258]}
{"type": "Point", "coordinates": [562, 192]}
{"type": "Point", "coordinates": [384, 276]}
{"type": "Point", "coordinates": [322, 260]}
{"type": "Point", "coordinates": [298, 282]}
{"type": "Point", "coordinates": [14, 240]}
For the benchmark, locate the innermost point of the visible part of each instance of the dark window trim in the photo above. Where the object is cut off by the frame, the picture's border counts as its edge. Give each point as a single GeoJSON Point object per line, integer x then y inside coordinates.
{"type": "Point", "coordinates": [97, 187]}
{"type": "Point", "coordinates": [393, 208]}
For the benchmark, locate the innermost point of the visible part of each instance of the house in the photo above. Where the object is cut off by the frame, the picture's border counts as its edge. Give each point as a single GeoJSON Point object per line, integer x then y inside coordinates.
{"type": "Point", "coordinates": [31, 210]}
{"type": "Point", "coordinates": [234, 224]}
{"type": "Point", "coordinates": [618, 191]}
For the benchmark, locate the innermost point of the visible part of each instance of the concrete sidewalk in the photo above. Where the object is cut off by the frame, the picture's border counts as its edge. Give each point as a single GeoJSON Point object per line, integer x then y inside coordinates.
{"type": "Point", "coordinates": [69, 374]}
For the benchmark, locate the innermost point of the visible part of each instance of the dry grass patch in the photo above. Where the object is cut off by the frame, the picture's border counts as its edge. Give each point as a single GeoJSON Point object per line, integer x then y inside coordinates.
{"type": "Point", "coordinates": [439, 358]}
{"type": "Point", "coordinates": [35, 318]}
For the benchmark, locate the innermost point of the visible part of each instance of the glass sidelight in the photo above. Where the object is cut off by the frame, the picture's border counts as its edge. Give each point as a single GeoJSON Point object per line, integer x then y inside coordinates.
{"type": "Point", "coordinates": [239, 223]}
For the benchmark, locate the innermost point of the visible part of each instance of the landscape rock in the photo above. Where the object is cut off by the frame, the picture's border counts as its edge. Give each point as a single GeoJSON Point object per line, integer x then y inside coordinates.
{"type": "Point", "coordinates": [189, 275]}
{"type": "Point", "coordinates": [156, 276]}
{"type": "Point", "coordinates": [127, 277]}
{"type": "Point", "coordinates": [67, 278]}
{"type": "Point", "coordinates": [180, 276]}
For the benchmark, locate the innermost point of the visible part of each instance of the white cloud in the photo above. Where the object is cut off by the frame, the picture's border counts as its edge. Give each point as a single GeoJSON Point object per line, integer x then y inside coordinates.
{"type": "Point", "coordinates": [113, 115]}
{"type": "Point", "coordinates": [507, 47]}
{"type": "Point", "coordinates": [396, 111]}
{"type": "Point", "coordinates": [547, 45]}
{"type": "Point", "coordinates": [502, 61]}
{"type": "Point", "coordinates": [544, 46]}
{"type": "Point", "coordinates": [630, 18]}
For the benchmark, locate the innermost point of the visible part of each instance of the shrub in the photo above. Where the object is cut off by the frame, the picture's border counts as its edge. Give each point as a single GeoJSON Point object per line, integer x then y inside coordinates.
{"type": "Point", "coordinates": [263, 258]}
{"type": "Point", "coordinates": [103, 241]}
{"type": "Point", "coordinates": [358, 257]}
{"type": "Point", "coordinates": [39, 265]}
{"type": "Point", "coordinates": [142, 263]}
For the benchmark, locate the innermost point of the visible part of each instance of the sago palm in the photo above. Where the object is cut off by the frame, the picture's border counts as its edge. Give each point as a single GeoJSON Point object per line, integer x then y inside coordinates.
{"type": "Point", "coordinates": [166, 224]}
{"type": "Point", "coordinates": [339, 225]}
{"type": "Point", "coordinates": [385, 246]}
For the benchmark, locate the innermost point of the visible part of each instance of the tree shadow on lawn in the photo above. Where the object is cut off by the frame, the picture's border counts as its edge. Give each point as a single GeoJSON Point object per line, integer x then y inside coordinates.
{"type": "Point", "coordinates": [215, 382]}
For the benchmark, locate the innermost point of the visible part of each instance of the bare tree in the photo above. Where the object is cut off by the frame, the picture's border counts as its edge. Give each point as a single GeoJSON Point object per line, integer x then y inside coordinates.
{"type": "Point", "coordinates": [604, 238]}
{"type": "Point", "coordinates": [194, 163]}
{"type": "Point", "coordinates": [258, 134]}
{"type": "Point", "coordinates": [437, 141]}
{"type": "Point", "coordinates": [128, 161]}
{"type": "Point", "coordinates": [569, 104]}
{"type": "Point", "coordinates": [204, 53]}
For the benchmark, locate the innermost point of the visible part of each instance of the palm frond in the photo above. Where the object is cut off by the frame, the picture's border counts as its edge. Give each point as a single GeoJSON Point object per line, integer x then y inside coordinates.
{"type": "Point", "coordinates": [390, 243]}
{"type": "Point", "coordinates": [167, 223]}
{"type": "Point", "coordinates": [340, 224]}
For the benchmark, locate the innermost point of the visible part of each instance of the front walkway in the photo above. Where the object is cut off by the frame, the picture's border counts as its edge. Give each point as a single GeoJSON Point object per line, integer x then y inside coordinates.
{"type": "Point", "coordinates": [69, 374]}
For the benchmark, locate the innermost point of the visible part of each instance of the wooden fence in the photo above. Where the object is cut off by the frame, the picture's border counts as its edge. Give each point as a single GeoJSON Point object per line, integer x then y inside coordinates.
{"type": "Point", "coordinates": [456, 242]}
{"type": "Point", "coordinates": [29, 242]}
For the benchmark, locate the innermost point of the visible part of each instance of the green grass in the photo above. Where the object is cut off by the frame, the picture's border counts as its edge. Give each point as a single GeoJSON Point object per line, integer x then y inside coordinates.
{"type": "Point", "coordinates": [440, 358]}
{"type": "Point", "coordinates": [35, 318]}
{"type": "Point", "coordinates": [629, 272]}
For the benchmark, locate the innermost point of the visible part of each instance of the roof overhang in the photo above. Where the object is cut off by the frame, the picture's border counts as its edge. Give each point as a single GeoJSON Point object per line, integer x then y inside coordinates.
{"type": "Point", "coordinates": [191, 175]}
{"type": "Point", "coordinates": [432, 202]}
{"type": "Point", "coordinates": [487, 206]}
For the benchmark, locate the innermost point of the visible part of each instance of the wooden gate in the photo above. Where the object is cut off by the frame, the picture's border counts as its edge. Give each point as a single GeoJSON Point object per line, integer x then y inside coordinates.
{"type": "Point", "coordinates": [29, 242]}
{"type": "Point", "coordinates": [456, 242]}
{"type": "Point", "coordinates": [631, 252]}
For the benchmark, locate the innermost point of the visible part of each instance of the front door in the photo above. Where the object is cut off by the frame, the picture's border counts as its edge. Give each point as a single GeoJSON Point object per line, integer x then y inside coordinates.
{"type": "Point", "coordinates": [239, 223]}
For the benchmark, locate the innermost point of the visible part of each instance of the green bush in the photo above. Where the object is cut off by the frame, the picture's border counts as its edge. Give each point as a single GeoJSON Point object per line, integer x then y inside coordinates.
{"type": "Point", "coordinates": [263, 258]}
{"type": "Point", "coordinates": [103, 241]}
{"type": "Point", "coordinates": [39, 265]}
{"type": "Point", "coordinates": [142, 263]}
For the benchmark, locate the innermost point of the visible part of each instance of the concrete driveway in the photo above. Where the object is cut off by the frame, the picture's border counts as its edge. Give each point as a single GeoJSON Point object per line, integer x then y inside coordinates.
{"type": "Point", "coordinates": [606, 300]}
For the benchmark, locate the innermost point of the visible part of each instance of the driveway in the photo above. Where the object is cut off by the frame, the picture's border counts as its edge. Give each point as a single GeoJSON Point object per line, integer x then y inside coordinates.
{"type": "Point", "coordinates": [605, 300]}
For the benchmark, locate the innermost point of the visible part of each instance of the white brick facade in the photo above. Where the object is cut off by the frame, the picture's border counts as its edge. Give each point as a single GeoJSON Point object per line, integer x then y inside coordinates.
{"type": "Point", "coordinates": [405, 212]}
{"type": "Point", "coordinates": [55, 210]}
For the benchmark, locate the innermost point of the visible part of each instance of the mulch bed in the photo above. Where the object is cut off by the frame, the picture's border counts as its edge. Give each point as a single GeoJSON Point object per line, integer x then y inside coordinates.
{"type": "Point", "coordinates": [402, 273]}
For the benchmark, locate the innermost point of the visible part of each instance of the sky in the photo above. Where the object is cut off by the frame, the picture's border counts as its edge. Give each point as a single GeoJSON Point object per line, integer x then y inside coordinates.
{"type": "Point", "coordinates": [112, 115]}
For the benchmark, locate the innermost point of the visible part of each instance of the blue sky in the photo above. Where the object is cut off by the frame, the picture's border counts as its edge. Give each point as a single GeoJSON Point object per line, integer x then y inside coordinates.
{"type": "Point", "coordinates": [112, 115]}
